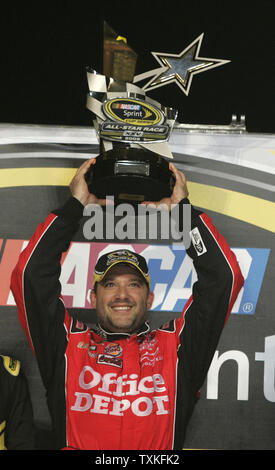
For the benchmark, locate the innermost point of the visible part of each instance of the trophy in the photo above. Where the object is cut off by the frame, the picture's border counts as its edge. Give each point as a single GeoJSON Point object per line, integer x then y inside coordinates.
{"type": "Point", "coordinates": [132, 130]}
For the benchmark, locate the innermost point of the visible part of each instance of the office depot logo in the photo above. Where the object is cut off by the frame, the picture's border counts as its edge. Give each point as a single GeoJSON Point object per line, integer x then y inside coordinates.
{"type": "Point", "coordinates": [172, 273]}
{"type": "Point", "coordinates": [96, 394]}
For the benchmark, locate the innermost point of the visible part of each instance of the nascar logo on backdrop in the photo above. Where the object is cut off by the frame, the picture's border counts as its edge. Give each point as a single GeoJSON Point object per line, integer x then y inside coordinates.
{"type": "Point", "coordinates": [172, 274]}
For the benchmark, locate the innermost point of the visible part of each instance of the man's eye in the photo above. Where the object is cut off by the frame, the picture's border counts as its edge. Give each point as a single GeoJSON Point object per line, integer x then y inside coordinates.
{"type": "Point", "coordinates": [109, 284]}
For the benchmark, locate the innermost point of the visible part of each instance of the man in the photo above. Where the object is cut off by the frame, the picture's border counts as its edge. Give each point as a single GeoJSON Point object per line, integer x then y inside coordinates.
{"type": "Point", "coordinates": [16, 417]}
{"type": "Point", "coordinates": [119, 385]}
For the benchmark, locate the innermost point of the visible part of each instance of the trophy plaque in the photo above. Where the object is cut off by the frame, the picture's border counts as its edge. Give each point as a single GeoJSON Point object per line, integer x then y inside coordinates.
{"type": "Point", "coordinates": [130, 175]}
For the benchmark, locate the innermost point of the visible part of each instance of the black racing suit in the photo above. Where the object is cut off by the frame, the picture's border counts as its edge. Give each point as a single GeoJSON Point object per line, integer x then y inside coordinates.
{"type": "Point", "coordinates": [111, 391]}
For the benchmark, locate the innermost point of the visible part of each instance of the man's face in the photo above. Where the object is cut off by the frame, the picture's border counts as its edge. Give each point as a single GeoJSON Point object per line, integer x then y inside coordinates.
{"type": "Point", "coordinates": [121, 300]}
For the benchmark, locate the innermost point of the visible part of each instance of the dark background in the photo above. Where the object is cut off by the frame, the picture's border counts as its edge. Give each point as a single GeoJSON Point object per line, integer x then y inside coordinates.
{"type": "Point", "coordinates": [45, 48]}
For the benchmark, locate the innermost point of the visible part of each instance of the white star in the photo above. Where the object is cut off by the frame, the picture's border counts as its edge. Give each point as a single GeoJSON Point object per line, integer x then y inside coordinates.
{"type": "Point", "coordinates": [179, 68]}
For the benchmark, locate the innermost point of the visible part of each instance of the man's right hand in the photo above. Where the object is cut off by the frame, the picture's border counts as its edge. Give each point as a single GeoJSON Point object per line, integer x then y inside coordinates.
{"type": "Point", "coordinates": [79, 187]}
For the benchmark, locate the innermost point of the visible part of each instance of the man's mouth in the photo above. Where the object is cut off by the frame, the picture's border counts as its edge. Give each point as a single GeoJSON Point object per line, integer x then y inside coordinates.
{"type": "Point", "coordinates": [121, 308]}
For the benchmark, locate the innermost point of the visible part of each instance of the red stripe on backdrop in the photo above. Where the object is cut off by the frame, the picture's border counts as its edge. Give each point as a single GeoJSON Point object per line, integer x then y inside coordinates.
{"type": "Point", "coordinates": [11, 252]}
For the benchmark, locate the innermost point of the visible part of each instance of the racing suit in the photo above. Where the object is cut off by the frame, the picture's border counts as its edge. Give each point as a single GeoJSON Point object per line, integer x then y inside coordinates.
{"type": "Point", "coordinates": [110, 391]}
{"type": "Point", "coordinates": [16, 416]}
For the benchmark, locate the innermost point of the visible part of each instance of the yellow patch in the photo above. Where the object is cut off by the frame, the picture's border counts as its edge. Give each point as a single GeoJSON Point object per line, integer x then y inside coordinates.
{"type": "Point", "coordinates": [11, 365]}
{"type": "Point", "coordinates": [2, 435]}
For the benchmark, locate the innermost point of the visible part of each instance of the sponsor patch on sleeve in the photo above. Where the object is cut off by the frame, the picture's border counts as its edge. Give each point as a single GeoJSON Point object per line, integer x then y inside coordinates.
{"type": "Point", "coordinates": [197, 241]}
{"type": "Point", "coordinates": [168, 326]}
{"type": "Point", "coordinates": [78, 326]}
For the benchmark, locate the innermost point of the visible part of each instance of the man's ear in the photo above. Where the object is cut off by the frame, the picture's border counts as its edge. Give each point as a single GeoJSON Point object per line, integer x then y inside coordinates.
{"type": "Point", "coordinates": [150, 300]}
{"type": "Point", "coordinates": [93, 298]}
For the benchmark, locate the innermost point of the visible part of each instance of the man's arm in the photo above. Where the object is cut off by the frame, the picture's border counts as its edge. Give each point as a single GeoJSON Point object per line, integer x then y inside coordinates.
{"type": "Point", "coordinates": [35, 279]}
{"type": "Point", "coordinates": [36, 287]}
{"type": "Point", "coordinates": [214, 293]}
{"type": "Point", "coordinates": [198, 330]}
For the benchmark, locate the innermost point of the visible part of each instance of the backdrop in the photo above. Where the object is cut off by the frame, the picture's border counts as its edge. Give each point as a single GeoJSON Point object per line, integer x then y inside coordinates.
{"type": "Point", "coordinates": [231, 177]}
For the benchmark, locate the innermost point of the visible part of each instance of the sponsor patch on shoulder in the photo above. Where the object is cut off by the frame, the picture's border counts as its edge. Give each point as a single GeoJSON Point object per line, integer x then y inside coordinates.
{"type": "Point", "coordinates": [197, 241]}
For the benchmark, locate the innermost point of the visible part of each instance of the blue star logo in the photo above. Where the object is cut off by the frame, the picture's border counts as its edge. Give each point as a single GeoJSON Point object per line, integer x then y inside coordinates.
{"type": "Point", "coordinates": [179, 68]}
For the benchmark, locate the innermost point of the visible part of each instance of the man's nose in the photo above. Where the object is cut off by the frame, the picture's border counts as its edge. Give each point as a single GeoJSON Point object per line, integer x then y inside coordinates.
{"type": "Point", "coordinates": [122, 292]}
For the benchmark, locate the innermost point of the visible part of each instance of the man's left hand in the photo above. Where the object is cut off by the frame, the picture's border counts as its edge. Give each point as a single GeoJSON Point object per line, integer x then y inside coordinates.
{"type": "Point", "coordinates": [179, 192]}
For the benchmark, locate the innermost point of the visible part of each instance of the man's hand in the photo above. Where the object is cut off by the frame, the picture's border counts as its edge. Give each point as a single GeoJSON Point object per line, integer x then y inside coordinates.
{"type": "Point", "coordinates": [180, 191]}
{"type": "Point", "coordinates": [79, 188]}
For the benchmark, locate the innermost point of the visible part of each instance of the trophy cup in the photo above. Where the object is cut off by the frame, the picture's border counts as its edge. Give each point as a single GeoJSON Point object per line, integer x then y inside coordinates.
{"type": "Point", "coordinates": [132, 129]}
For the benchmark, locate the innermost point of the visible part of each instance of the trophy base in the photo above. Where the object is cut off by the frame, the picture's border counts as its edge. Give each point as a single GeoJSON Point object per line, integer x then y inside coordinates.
{"type": "Point", "coordinates": [130, 175]}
